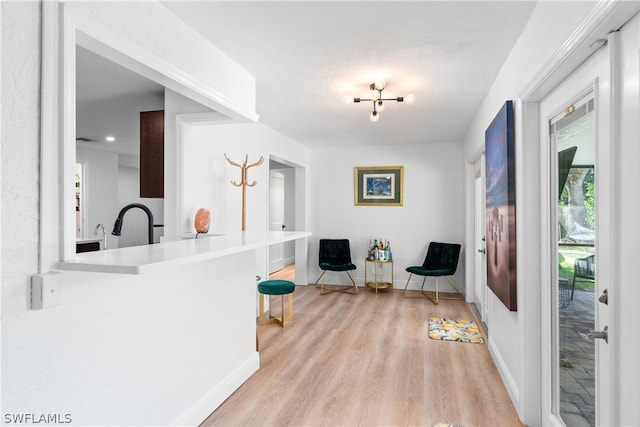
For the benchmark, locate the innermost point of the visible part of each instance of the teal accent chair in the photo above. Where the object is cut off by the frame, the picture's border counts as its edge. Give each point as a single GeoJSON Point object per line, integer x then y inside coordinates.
{"type": "Point", "coordinates": [441, 261]}
{"type": "Point", "coordinates": [335, 255]}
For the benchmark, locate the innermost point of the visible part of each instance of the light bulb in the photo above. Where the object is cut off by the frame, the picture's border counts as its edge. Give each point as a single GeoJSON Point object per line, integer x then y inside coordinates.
{"type": "Point", "coordinates": [380, 106]}
{"type": "Point", "coordinates": [410, 99]}
{"type": "Point", "coordinates": [374, 116]}
{"type": "Point", "coordinates": [375, 95]}
{"type": "Point", "coordinates": [380, 84]}
{"type": "Point", "coordinates": [348, 99]}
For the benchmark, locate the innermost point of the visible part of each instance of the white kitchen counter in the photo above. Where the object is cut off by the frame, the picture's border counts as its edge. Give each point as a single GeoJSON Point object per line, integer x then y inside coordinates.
{"type": "Point", "coordinates": [147, 258]}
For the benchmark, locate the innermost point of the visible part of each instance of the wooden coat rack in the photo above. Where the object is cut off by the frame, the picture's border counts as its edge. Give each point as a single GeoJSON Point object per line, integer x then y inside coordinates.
{"type": "Point", "coordinates": [244, 183]}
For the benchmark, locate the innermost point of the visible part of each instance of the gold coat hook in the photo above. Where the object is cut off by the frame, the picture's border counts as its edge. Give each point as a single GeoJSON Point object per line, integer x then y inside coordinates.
{"type": "Point", "coordinates": [243, 182]}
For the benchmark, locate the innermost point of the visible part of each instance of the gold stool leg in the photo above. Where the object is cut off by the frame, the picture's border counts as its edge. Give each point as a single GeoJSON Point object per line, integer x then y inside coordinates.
{"type": "Point", "coordinates": [261, 319]}
{"type": "Point", "coordinates": [279, 320]}
{"type": "Point", "coordinates": [290, 315]}
{"type": "Point", "coordinates": [282, 311]}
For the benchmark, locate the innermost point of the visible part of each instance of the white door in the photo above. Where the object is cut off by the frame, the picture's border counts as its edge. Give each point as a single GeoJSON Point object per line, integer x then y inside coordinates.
{"type": "Point", "coordinates": [276, 218]}
{"type": "Point", "coordinates": [480, 246]}
{"type": "Point", "coordinates": [575, 133]}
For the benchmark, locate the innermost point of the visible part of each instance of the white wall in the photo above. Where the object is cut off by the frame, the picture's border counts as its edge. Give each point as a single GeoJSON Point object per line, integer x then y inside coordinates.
{"type": "Point", "coordinates": [133, 349]}
{"type": "Point", "coordinates": [550, 25]}
{"type": "Point", "coordinates": [104, 352]}
{"type": "Point", "coordinates": [156, 30]}
{"type": "Point", "coordinates": [516, 356]}
{"type": "Point", "coordinates": [433, 207]}
{"type": "Point", "coordinates": [207, 179]}
{"type": "Point", "coordinates": [177, 109]}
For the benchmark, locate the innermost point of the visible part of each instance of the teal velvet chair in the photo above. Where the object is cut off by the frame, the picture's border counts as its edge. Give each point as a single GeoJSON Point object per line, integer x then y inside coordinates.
{"type": "Point", "coordinates": [335, 255]}
{"type": "Point", "coordinates": [441, 261]}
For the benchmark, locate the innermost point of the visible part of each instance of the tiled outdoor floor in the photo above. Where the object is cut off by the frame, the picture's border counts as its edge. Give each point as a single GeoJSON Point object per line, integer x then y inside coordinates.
{"type": "Point", "coordinates": [577, 367]}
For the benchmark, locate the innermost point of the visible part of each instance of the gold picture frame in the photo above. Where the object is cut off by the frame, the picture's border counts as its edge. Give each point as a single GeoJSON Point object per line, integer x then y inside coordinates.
{"type": "Point", "coordinates": [378, 185]}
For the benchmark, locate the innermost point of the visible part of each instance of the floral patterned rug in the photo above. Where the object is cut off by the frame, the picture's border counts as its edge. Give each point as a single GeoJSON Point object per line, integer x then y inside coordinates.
{"type": "Point", "coordinates": [454, 330]}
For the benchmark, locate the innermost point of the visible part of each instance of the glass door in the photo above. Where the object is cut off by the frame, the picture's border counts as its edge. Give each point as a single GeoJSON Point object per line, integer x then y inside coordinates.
{"type": "Point", "coordinates": [573, 137]}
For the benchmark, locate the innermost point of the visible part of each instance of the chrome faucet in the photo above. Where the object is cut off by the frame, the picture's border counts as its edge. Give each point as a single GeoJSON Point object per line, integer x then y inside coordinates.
{"type": "Point", "coordinates": [117, 227]}
{"type": "Point", "coordinates": [104, 235]}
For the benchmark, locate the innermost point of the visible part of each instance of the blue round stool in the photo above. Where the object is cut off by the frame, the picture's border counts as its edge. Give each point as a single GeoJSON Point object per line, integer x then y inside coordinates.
{"type": "Point", "coordinates": [276, 287]}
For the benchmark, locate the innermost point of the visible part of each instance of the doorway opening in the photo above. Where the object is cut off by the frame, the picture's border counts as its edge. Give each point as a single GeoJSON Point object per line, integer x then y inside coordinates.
{"type": "Point", "coordinates": [282, 217]}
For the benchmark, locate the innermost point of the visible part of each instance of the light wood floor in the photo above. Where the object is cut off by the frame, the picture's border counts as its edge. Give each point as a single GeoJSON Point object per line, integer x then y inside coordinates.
{"type": "Point", "coordinates": [287, 273]}
{"type": "Point", "coordinates": [366, 360]}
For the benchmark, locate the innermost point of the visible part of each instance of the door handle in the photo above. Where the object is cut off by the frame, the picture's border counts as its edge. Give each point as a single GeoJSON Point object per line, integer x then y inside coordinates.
{"type": "Point", "coordinates": [604, 298]}
{"type": "Point", "coordinates": [601, 335]}
{"type": "Point", "coordinates": [284, 226]}
{"type": "Point", "coordinates": [482, 251]}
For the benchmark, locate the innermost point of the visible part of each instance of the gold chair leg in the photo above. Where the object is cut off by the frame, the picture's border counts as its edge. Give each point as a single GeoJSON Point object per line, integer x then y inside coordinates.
{"type": "Point", "coordinates": [458, 295]}
{"type": "Point", "coordinates": [344, 289]}
{"type": "Point", "coordinates": [320, 277]}
{"type": "Point", "coordinates": [422, 291]}
{"type": "Point", "coordinates": [355, 286]}
{"type": "Point", "coordinates": [404, 294]}
{"type": "Point", "coordinates": [432, 299]}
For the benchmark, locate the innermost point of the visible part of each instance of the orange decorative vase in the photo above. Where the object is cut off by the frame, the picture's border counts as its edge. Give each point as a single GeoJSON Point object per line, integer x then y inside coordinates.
{"type": "Point", "coordinates": [202, 220]}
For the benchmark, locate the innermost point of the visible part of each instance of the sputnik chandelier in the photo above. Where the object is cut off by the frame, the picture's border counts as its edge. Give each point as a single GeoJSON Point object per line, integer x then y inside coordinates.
{"type": "Point", "coordinates": [376, 98]}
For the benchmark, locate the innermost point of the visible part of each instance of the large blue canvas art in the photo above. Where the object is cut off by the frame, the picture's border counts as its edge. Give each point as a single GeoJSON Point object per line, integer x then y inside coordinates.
{"type": "Point", "coordinates": [501, 207]}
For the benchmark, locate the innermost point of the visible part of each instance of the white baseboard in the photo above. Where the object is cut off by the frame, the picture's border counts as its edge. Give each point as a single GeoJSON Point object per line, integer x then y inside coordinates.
{"type": "Point", "coordinates": [214, 398]}
{"type": "Point", "coordinates": [505, 374]}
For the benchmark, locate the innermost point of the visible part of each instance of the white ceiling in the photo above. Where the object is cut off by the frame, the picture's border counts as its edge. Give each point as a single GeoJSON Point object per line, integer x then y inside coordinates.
{"type": "Point", "coordinates": [307, 56]}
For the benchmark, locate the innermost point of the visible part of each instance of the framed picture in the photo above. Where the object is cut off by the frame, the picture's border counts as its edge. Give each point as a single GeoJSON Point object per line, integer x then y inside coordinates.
{"type": "Point", "coordinates": [378, 185]}
{"type": "Point", "coordinates": [501, 206]}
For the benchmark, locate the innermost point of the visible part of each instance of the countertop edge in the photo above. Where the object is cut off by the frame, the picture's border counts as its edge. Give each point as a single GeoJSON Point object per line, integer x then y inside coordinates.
{"type": "Point", "coordinates": [151, 258]}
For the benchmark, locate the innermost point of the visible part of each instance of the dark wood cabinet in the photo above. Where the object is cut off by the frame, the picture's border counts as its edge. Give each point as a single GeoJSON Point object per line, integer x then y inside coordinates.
{"type": "Point", "coordinates": [152, 154]}
{"type": "Point", "coordinates": [87, 247]}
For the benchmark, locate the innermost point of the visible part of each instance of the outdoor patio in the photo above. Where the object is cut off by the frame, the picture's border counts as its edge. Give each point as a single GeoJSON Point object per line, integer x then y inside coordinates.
{"type": "Point", "coordinates": [577, 367]}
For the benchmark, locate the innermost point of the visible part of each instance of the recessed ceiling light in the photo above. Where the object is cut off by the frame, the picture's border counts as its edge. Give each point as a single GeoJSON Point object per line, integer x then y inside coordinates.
{"type": "Point", "coordinates": [110, 139]}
